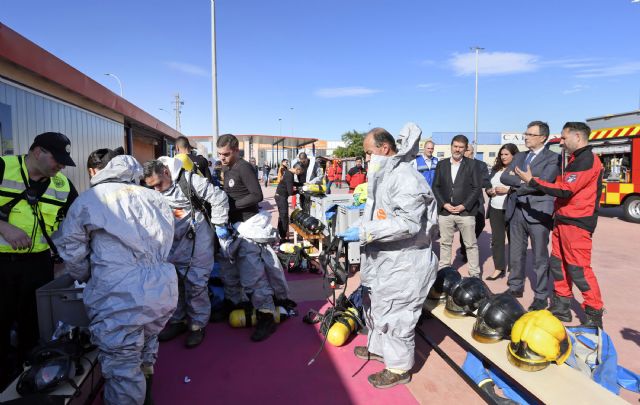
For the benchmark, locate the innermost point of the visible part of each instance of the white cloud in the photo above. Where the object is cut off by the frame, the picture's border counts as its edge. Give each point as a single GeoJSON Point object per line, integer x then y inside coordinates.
{"type": "Point", "coordinates": [345, 92]}
{"type": "Point", "coordinates": [573, 63]}
{"type": "Point", "coordinates": [428, 86]}
{"type": "Point", "coordinates": [575, 89]}
{"type": "Point", "coordinates": [188, 69]}
{"type": "Point", "coordinates": [493, 63]}
{"type": "Point", "coordinates": [620, 69]}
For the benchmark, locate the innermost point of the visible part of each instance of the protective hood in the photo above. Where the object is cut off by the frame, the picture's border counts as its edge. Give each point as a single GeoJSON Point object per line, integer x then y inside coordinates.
{"type": "Point", "coordinates": [174, 165]}
{"type": "Point", "coordinates": [123, 168]}
{"type": "Point", "coordinates": [408, 143]}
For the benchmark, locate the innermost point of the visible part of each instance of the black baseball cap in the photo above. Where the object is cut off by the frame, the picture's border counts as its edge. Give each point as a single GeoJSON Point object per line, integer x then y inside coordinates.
{"type": "Point", "coordinates": [56, 143]}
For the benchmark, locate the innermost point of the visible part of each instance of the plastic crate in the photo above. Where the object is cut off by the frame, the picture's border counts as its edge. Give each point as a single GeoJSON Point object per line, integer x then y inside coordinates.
{"type": "Point", "coordinates": [58, 301]}
{"type": "Point", "coordinates": [320, 205]}
{"type": "Point", "coordinates": [346, 217]}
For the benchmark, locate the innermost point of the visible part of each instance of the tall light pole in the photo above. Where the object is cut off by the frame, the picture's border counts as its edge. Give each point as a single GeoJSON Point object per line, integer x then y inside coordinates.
{"type": "Point", "coordinates": [280, 123]}
{"type": "Point", "coordinates": [167, 111]}
{"type": "Point", "coordinates": [214, 82]}
{"type": "Point", "coordinates": [118, 79]}
{"type": "Point", "coordinates": [477, 49]}
{"type": "Point", "coordinates": [291, 108]}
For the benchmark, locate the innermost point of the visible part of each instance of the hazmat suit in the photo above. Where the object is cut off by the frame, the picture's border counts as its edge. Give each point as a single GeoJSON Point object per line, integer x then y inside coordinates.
{"type": "Point", "coordinates": [252, 265]}
{"type": "Point", "coordinates": [117, 237]}
{"type": "Point", "coordinates": [398, 264]}
{"type": "Point", "coordinates": [193, 257]}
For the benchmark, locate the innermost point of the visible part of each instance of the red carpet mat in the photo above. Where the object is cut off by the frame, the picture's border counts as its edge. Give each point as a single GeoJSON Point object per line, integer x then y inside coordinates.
{"type": "Point", "coordinates": [230, 369]}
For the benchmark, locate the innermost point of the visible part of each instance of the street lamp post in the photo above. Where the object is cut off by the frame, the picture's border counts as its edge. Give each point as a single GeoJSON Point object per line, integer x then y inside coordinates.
{"type": "Point", "coordinates": [167, 111]}
{"type": "Point", "coordinates": [280, 123]}
{"type": "Point", "coordinates": [214, 82]}
{"type": "Point", "coordinates": [477, 50]}
{"type": "Point", "coordinates": [291, 108]}
{"type": "Point", "coordinates": [118, 79]}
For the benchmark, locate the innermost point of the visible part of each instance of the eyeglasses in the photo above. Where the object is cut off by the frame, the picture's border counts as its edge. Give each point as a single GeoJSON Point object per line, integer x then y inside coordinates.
{"type": "Point", "coordinates": [530, 134]}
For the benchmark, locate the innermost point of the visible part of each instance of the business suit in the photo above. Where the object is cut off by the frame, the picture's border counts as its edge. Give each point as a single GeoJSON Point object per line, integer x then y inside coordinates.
{"type": "Point", "coordinates": [485, 183]}
{"type": "Point", "coordinates": [529, 214]}
{"type": "Point", "coordinates": [465, 190]}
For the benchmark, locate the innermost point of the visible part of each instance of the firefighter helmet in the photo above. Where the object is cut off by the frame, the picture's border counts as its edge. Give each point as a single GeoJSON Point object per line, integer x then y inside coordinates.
{"type": "Point", "coordinates": [496, 317]}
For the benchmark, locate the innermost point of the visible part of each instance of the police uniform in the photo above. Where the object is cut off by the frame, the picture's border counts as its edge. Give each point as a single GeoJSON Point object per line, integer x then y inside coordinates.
{"type": "Point", "coordinates": [29, 205]}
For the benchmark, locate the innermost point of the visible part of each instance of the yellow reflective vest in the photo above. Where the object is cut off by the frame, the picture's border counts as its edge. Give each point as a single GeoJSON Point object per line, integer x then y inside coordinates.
{"type": "Point", "coordinates": [22, 214]}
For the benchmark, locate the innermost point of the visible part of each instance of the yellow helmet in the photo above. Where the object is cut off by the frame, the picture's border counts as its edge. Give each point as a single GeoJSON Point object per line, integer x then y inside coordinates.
{"type": "Point", "coordinates": [537, 339]}
{"type": "Point", "coordinates": [361, 192]}
{"type": "Point", "coordinates": [187, 163]}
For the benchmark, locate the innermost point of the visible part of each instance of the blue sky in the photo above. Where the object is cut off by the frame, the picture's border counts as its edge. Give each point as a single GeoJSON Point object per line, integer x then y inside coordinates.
{"type": "Point", "coordinates": [351, 64]}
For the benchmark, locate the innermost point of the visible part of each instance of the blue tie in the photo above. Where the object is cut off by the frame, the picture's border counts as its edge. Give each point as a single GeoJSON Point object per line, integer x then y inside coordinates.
{"type": "Point", "coordinates": [528, 160]}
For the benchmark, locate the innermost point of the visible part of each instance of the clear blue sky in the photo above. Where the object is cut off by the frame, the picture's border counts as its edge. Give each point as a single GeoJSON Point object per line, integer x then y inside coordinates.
{"type": "Point", "coordinates": [342, 64]}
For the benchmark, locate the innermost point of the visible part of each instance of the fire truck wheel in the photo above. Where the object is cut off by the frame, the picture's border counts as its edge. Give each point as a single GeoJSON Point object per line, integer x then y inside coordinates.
{"type": "Point", "coordinates": [632, 209]}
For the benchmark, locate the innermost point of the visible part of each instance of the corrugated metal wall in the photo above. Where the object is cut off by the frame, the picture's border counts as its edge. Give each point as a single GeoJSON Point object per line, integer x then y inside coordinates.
{"type": "Point", "coordinates": [33, 113]}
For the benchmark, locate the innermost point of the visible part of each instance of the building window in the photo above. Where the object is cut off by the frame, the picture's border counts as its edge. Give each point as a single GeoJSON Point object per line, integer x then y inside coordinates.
{"type": "Point", "coordinates": [492, 154]}
{"type": "Point", "coordinates": [440, 154]}
{"type": "Point", "coordinates": [6, 136]}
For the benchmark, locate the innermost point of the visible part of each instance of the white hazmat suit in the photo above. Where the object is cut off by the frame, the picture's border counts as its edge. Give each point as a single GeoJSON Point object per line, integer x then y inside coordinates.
{"type": "Point", "coordinates": [398, 264]}
{"type": "Point", "coordinates": [117, 236]}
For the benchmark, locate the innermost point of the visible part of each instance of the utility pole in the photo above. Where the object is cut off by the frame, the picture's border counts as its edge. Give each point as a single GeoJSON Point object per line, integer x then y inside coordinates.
{"type": "Point", "coordinates": [477, 49]}
{"type": "Point", "coordinates": [214, 83]}
{"type": "Point", "coordinates": [178, 109]}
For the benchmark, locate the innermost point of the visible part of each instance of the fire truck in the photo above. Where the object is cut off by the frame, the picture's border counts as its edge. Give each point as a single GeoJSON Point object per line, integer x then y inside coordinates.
{"type": "Point", "coordinates": [616, 139]}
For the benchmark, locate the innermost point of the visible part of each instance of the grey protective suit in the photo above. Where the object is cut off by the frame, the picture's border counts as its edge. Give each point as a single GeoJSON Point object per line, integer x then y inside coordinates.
{"type": "Point", "coordinates": [193, 302]}
{"type": "Point", "coordinates": [254, 267]}
{"type": "Point", "coordinates": [398, 264]}
{"type": "Point", "coordinates": [116, 237]}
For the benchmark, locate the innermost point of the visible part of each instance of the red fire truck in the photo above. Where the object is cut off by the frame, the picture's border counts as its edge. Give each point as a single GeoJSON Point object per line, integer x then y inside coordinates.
{"type": "Point", "coordinates": [616, 139]}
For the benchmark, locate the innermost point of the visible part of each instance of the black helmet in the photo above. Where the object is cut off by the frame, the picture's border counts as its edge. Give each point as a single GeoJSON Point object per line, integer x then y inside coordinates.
{"type": "Point", "coordinates": [496, 317]}
{"type": "Point", "coordinates": [445, 279]}
{"type": "Point", "coordinates": [466, 296]}
{"type": "Point", "coordinates": [295, 215]}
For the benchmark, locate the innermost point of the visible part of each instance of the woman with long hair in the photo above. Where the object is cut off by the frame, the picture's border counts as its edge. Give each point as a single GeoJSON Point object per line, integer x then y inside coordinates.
{"type": "Point", "coordinates": [496, 213]}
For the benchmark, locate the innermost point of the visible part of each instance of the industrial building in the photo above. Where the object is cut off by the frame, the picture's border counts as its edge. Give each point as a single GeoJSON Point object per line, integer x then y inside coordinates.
{"type": "Point", "coordinates": [40, 93]}
{"type": "Point", "coordinates": [489, 143]}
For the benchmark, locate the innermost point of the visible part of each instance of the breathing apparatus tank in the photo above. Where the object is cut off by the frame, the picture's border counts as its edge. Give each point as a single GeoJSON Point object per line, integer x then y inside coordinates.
{"type": "Point", "coordinates": [343, 327]}
{"type": "Point", "coordinates": [238, 317]}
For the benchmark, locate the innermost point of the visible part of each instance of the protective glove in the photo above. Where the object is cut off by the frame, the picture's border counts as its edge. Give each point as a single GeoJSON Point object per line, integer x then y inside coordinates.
{"type": "Point", "coordinates": [222, 232]}
{"type": "Point", "coordinates": [350, 235]}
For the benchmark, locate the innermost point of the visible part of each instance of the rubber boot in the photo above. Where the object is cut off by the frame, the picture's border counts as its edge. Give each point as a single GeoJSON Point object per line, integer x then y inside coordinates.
{"type": "Point", "coordinates": [594, 317]}
{"type": "Point", "coordinates": [148, 377]}
{"type": "Point", "coordinates": [172, 330]}
{"type": "Point", "coordinates": [560, 308]}
{"type": "Point", "coordinates": [490, 388]}
{"type": "Point", "coordinates": [222, 313]}
{"type": "Point", "coordinates": [265, 326]}
{"type": "Point", "coordinates": [195, 337]}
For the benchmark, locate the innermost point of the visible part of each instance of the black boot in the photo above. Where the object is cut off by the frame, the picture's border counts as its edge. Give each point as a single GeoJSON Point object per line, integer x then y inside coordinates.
{"type": "Point", "coordinates": [147, 395]}
{"type": "Point", "coordinates": [594, 317]}
{"type": "Point", "coordinates": [489, 388]}
{"type": "Point", "coordinates": [265, 326]}
{"type": "Point", "coordinates": [172, 330]}
{"type": "Point", "coordinates": [222, 314]}
{"type": "Point", "coordinates": [560, 308]}
{"type": "Point", "coordinates": [194, 338]}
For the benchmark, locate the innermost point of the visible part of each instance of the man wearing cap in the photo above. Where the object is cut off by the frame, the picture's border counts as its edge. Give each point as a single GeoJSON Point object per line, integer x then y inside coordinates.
{"type": "Point", "coordinates": [34, 197]}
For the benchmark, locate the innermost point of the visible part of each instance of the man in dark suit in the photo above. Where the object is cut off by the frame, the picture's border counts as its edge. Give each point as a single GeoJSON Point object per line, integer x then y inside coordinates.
{"type": "Point", "coordinates": [457, 188]}
{"type": "Point", "coordinates": [485, 183]}
{"type": "Point", "coordinates": [529, 214]}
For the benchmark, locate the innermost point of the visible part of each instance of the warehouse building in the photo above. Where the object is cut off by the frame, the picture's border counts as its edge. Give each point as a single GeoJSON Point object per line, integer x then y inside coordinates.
{"type": "Point", "coordinates": [40, 93]}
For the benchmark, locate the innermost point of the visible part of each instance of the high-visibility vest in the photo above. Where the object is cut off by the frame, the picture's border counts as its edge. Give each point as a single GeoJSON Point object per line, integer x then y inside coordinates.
{"type": "Point", "coordinates": [22, 214]}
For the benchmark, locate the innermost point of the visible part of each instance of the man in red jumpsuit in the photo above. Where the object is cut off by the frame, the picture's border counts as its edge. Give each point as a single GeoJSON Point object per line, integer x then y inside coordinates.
{"type": "Point", "coordinates": [577, 193]}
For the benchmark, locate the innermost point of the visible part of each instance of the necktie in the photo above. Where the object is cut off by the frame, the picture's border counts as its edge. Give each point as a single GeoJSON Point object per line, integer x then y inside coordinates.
{"type": "Point", "coordinates": [528, 160]}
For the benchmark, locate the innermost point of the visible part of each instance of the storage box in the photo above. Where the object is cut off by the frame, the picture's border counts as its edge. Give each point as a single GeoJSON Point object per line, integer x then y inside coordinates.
{"type": "Point", "coordinates": [346, 218]}
{"type": "Point", "coordinates": [57, 301]}
{"type": "Point", "coordinates": [320, 205]}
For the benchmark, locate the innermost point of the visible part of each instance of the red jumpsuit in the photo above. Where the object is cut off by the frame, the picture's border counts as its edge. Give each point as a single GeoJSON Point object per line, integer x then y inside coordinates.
{"type": "Point", "coordinates": [578, 197]}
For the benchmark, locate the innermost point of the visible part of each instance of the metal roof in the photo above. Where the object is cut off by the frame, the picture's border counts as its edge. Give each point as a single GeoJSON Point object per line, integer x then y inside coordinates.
{"type": "Point", "coordinates": [20, 51]}
{"type": "Point", "coordinates": [289, 142]}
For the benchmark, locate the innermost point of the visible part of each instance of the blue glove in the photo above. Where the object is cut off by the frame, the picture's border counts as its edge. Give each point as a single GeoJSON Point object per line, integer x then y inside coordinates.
{"type": "Point", "coordinates": [222, 232]}
{"type": "Point", "coordinates": [350, 235]}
